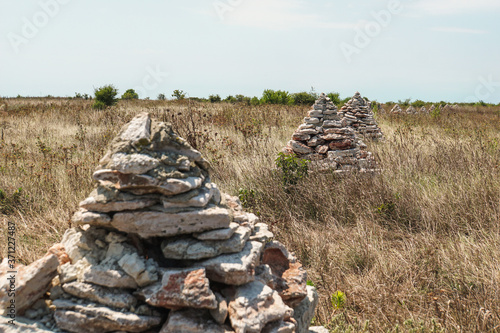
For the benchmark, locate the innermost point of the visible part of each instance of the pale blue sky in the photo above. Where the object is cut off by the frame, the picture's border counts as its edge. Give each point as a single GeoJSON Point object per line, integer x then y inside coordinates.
{"type": "Point", "coordinates": [386, 49]}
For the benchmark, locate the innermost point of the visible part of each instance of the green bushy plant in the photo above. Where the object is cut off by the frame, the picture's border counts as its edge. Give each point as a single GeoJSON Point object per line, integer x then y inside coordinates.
{"type": "Point", "coordinates": [214, 98]}
{"type": "Point", "coordinates": [130, 94]}
{"type": "Point", "coordinates": [304, 98]}
{"type": "Point", "coordinates": [335, 97]}
{"type": "Point", "coordinates": [276, 97]}
{"type": "Point", "coordinates": [105, 96]}
{"type": "Point", "coordinates": [179, 94]}
{"type": "Point", "coordinates": [292, 168]}
{"type": "Point", "coordinates": [161, 97]}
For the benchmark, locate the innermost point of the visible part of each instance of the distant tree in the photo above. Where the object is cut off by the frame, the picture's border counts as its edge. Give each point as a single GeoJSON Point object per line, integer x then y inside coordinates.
{"type": "Point", "coordinates": [130, 94]}
{"type": "Point", "coordinates": [214, 98]}
{"type": "Point", "coordinates": [161, 97]}
{"type": "Point", "coordinates": [179, 94]}
{"type": "Point", "coordinates": [105, 96]}
{"type": "Point", "coordinates": [304, 98]}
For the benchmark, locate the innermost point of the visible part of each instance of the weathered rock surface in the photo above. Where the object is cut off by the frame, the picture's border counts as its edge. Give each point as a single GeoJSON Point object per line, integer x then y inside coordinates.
{"type": "Point", "coordinates": [181, 288]}
{"type": "Point", "coordinates": [194, 249]}
{"type": "Point", "coordinates": [192, 321]}
{"type": "Point", "coordinates": [84, 319]}
{"type": "Point", "coordinates": [253, 305]}
{"type": "Point", "coordinates": [234, 269]}
{"type": "Point", "coordinates": [106, 296]}
{"type": "Point", "coordinates": [303, 313]}
{"type": "Point", "coordinates": [29, 283]}
{"type": "Point", "coordinates": [158, 224]}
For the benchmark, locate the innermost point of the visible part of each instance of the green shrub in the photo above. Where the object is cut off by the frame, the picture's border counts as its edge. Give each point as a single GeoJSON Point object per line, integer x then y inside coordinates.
{"type": "Point", "coordinates": [276, 97]}
{"type": "Point", "coordinates": [304, 98]}
{"type": "Point", "coordinates": [214, 98]}
{"type": "Point", "coordinates": [335, 97]}
{"type": "Point", "coordinates": [130, 94]}
{"type": "Point", "coordinates": [105, 96]}
{"type": "Point", "coordinates": [230, 99]}
{"type": "Point", "coordinates": [292, 168]}
{"type": "Point", "coordinates": [406, 102]}
{"type": "Point", "coordinates": [99, 105]}
{"type": "Point", "coordinates": [161, 97]}
{"type": "Point", "coordinates": [338, 300]}
{"type": "Point", "coordinates": [418, 103]}
{"type": "Point", "coordinates": [179, 94]}
{"type": "Point", "coordinates": [255, 101]}
{"type": "Point", "coordinates": [247, 197]}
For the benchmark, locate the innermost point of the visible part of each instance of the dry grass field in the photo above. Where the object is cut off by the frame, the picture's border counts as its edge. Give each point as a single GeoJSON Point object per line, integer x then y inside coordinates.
{"type": "Point", "coordinates": [413, 248]}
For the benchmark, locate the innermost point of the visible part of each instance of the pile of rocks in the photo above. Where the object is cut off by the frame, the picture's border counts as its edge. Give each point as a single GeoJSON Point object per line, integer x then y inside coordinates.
{"type": "Point", "coordinates": [423, 110]}
{"type": "Point", "coordinates": [396, 109]}
{"type": "Point", "coordinates": [156, 247]}
{"type": "Point", "coordinates": [411, 110]}
{"type": "Point", "coordinates": [357, 114]}
{"type": "Point", "coordinates": [326, 139]}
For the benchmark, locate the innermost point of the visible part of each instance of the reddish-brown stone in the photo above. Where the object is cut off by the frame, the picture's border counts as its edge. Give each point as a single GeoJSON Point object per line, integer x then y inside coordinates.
{"type": "Point", "coordinates": [343, 144]}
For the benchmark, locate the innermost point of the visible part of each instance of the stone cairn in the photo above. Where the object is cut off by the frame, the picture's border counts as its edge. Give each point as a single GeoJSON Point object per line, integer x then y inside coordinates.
{"type": "Point", "coordinates": [396, 109]}
{"type": "Point", "coordinates": [325, 139]}
{"type": "Point", "coordinates": [156, 247]}
{"type": "Point", "coordinates": [357, 114]}
{"type": "Point", "coordinates": [411, 110]}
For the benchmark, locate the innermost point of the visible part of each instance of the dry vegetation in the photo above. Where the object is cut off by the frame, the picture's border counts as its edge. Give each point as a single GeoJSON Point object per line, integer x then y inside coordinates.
{"type": "Point", "coordinates": [414, 248]}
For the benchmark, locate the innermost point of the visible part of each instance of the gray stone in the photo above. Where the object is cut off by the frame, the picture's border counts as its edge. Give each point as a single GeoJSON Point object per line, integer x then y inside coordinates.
{"type": "Point", "coordinates": [192, 321]}
{"type": "Point", "coordinates": [279, 327]}
{"type": "Point", "coordinates": [261, 233]}
{"type": "Point", "coordinates": [312, 120]}
{"type": "Point", "coordinates": [194, 249]}
{"type": "Point", "coordinates": [303, 313]}
{"type": "Point", "coordinates": [108, 199]}
{"type": "Point", "coordinates": [235, 268]}
{"type": "Point", "coordinates": [217, 234]}
{"type": "Point", "coordinates": [144, 184]}
{"type": "Point", "coordinates": [22, 325]}
{"type": "Point", "coordinates": [300, 147]}
{"type": "Point", "coordinates": [138, 130]}
{"type": "Point", "coordinates": [220, 313]}
{"type": "Point", "coordinates": [253, 305]}
{"type": "Point", "coordinates": [30, 283]}
{"type": "Point", "coordinates": [203, 197]}
{"type": "Point", "coordinates": [106, 277]}
{"type": "Point", "coordinates": [132, 163]}
{"type": "Point", "coordinates": [78, 318]}
{"type": "Point", "coordinates": [83, 217]}
{"type": "Point", "coordinates": [143, 271]}
{"type": "Point", "coordinates": [113, 297]}
{"type": "Point", "coordinates": [158, 224]}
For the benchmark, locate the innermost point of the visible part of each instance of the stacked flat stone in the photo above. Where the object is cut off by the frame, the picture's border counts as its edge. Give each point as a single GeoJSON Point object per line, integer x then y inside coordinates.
{"type": "Point", "coordinates": [357, 113]}
{"type": "Point", "coordinates": [411, 110]}
{"type": "Point", "coordinates": [325, 139]}
{"type": "Point", "coordinates": [396, 109]}
{"type": "Point", "coordinates": [156, 247]}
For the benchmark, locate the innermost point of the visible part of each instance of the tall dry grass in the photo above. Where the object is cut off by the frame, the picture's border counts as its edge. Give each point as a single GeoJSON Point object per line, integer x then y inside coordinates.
{"type": "Point", "coordinates": [414, 248]}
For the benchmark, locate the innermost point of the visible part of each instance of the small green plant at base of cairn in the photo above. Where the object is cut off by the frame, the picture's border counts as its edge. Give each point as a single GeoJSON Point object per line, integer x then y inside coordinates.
{"type": "Point", "coordinates": [292, 168]}
{"type": "Point", "coordinates": [105, 96]}
{"type": "Point", "coordinates": [247, 197]}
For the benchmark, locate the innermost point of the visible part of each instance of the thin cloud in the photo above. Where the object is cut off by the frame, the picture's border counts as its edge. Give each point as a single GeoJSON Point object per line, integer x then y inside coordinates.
{"type": "Point", "coordinates": [279, 15]}
{"type": "Point", "coordinates": [459, 30]}
{"type": "Point", "coordinates": [442, 7]}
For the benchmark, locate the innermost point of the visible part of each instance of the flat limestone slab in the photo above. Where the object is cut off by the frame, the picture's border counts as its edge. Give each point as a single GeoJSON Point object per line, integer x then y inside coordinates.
{"type": "Point", "coordinates": [113, 297]}
{"type": "Point", "coordinates": [235, 268]}
{"type": "Point", "coordinates": [22, 326]}
{"type": "Point", "coordinates": [192, 321]}
{"type": "Point", "coordinates": [159, 224]}
{"type": "Point", "coordinates": [194, 249]}
{"type": "Point", "coordinates": [82, 319]}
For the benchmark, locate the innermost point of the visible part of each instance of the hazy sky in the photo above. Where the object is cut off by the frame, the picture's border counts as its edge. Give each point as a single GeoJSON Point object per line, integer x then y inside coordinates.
{"type": "Point", "coordinates": [388, 49]}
